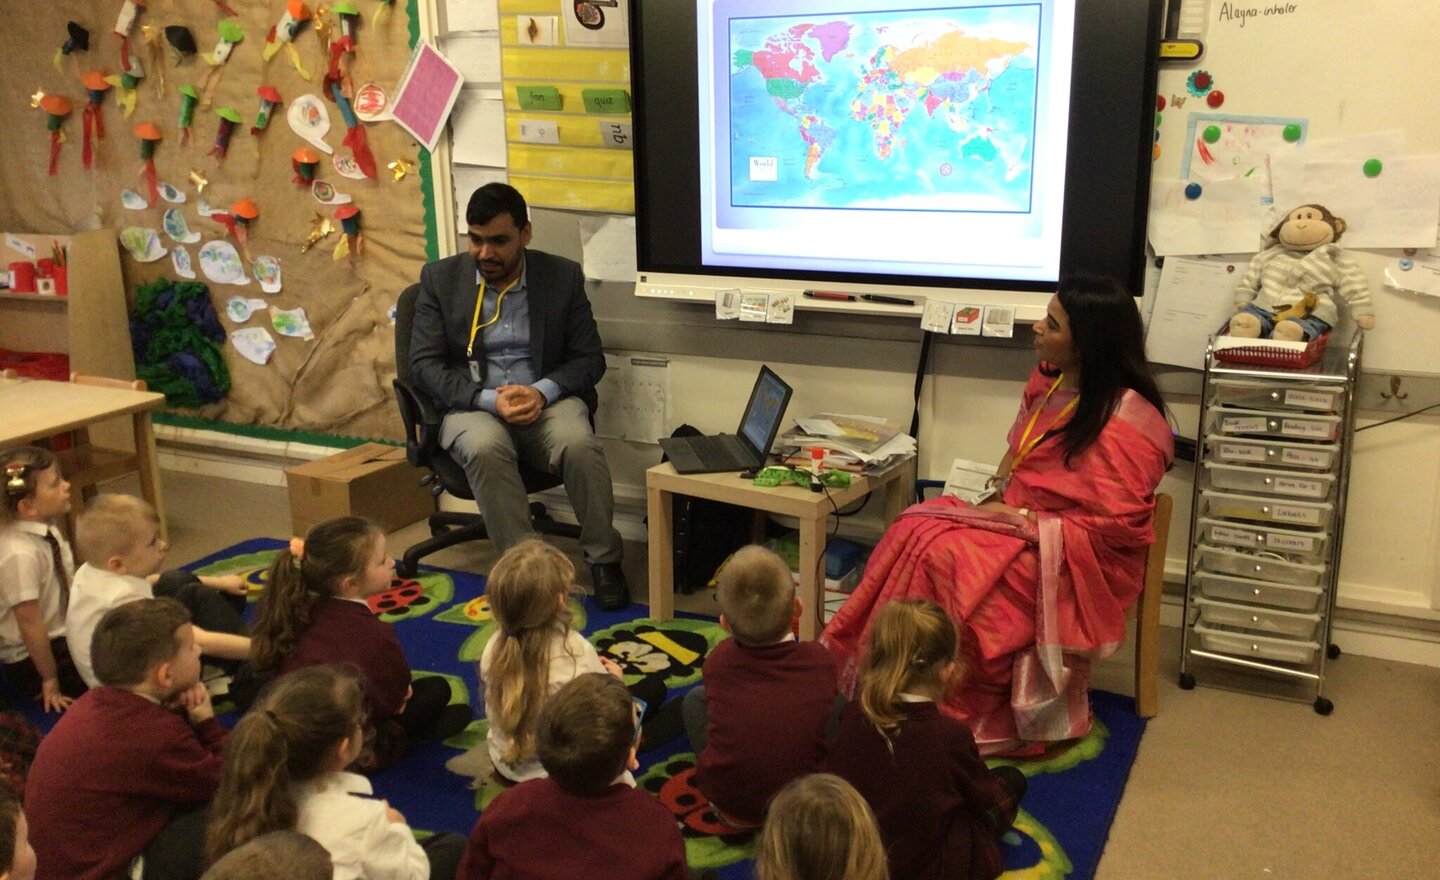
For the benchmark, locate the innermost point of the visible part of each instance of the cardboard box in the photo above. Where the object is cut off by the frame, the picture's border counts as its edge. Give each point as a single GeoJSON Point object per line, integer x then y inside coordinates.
{"type": "Point", "coordinates": [374, 481]}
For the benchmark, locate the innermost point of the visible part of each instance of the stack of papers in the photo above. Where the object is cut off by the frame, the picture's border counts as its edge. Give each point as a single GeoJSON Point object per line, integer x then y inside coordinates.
{"type": "Point", "coordinates": [853, 443]}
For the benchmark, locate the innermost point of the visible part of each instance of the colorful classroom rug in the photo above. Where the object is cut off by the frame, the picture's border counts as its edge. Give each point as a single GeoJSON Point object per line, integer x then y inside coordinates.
{"type": "Point", "coordinates": [443, 622]}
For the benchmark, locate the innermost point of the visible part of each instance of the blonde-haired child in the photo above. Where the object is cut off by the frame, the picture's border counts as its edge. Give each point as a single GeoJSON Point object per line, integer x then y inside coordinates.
{"type": "Point", "coordinates": [819, 828]}
{"type": "Point", "coordinates": [533, 652]}
{"type": "Point", "coordinates": [939, 808]}
{"type": "Point", "coordinates": [36, 564]}
{"type": "Point", "coordinates": [285, 771]}
{"type": "Point", "coordinates": [314, 611]}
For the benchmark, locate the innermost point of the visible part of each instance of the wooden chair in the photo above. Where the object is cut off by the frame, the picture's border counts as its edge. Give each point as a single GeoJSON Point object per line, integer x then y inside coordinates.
{"type": "Point", "coordinates": [86, 465]}
{"type": "Point", "coordinates": [1147, 614]}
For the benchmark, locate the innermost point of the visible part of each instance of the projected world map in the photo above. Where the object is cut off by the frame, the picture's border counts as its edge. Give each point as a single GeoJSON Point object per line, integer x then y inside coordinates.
{"type": "Point", "coordinates": [930, 109]}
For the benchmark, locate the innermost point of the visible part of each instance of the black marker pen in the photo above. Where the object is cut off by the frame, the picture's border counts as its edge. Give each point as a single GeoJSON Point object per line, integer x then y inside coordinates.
{"type": "Point", "coordinates": [887, 300]}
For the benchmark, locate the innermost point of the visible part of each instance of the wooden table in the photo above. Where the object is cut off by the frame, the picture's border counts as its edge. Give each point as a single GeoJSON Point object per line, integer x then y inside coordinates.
{"type": "Point", "coordinates": [812, 509]}
{"type": "Point", "coordinates": [36, 409]}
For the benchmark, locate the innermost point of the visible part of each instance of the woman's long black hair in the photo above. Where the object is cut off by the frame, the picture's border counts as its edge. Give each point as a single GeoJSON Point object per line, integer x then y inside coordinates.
{"type": "Point", "coordinates": [1109, 338]}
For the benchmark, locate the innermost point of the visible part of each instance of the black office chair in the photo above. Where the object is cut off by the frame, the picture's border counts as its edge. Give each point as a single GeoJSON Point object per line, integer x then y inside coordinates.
{"type": "Point", "coordinates": [422, 448]}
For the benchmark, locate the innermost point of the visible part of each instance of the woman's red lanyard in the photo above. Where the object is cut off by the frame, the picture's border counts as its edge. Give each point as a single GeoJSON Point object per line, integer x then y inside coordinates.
{"type": "Point", "coordinates": [1027, 443]}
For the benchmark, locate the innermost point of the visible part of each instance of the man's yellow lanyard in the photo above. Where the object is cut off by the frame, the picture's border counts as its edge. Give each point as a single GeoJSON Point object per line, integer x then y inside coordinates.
{"type": "Point", "coordinates": [475, 325]}
{"type": "Point", "coordinates": [1027, 443]}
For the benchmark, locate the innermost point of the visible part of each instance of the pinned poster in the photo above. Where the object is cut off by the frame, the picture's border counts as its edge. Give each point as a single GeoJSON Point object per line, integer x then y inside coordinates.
{"type": "Point", "coordinates": [472, 15]}
{"type": "Point", "coordinates": [1224, 146]}
{"type": "Point", "coordinates": [1211, 217]}
{"type": "Point", "coordinates": [1389, 202]}
{"type": "Point", "coordinates": [597, 23]}
{"type": "Point", "coordinates": [426, 95]}
{"type": "Point", "coordinates": [476, 56]}
{"type": "Point", "coordinates": [1193, 300]}
{"type": "Point", "coordinates": [477, 130]}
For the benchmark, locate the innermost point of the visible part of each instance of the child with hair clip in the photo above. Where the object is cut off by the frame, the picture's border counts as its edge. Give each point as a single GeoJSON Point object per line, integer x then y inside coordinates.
{"type": "Point", "coordinates": [939, 808]}
{"type": "Point", "coordinates": [314, 611]}
{"type": "Point", "coordinates": [533, 652]}
{"type": "Point", "coordinates": [819, 828]}
{"type": "Point", "coordinates": [36, 565]}
{"type": "Point", "coordinates": [285, 771]}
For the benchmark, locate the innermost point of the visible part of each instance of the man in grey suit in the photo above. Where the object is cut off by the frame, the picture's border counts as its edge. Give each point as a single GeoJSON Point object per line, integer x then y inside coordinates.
{"type": "Point", "coordinates": [505, 342]}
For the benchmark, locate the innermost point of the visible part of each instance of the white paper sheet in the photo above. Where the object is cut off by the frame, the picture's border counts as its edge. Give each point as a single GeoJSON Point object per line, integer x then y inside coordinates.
{"type": "Point", "coordinates": [1242, 149]}
{"type": "Point", "coordinates": [1195, 299]}
{"type": "Point", "coordinates": [969, 480]}
{"type": "Point", "coordinates": [477, 130]}
{"type": "Point", "coordinates": [1227, 218]}
{"type": "Point", "coordinates": [475, 55]}
{"type": "Point", "coordinates": [634, 394]}
{"type": "Point", "coordinates": [603, 24]}
{"type": "Point", "coordinates": [468, 178]}
{"type": "Point", "coordinates": [1418, 274]}
{"type": "Point", "coordinates": [1398, 208]}
{"type": "Point", "coordinates": [471, 15]}
{"type": "Point", "coordinates": [608, 245]}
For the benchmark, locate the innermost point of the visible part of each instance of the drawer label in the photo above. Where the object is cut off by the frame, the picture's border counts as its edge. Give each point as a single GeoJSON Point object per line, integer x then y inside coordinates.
{"type": "Point", "coordinates": [1310, 399]}
{"type": "Point", "coordinates": [1298, 543]}
{"type": "Point", "coordinates": [1292, 486]}
{"type": "Point", "coordinates": [1286, 513]}
{"type": "Point", "coordinates": [1305, 457]}
{"type": "Point", "coordinates": [1242, 424]}
{"type": "Point", "coordinates": [1242, 452]}
{"type": "Point", "coordinates": [1306, 428]}
{"type": "Point", "coordinates": [1237, 537]}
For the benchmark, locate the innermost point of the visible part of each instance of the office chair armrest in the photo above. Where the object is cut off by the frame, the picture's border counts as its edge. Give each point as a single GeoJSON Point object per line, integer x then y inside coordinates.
{"type": "Point", "coordinates": [422, 422]}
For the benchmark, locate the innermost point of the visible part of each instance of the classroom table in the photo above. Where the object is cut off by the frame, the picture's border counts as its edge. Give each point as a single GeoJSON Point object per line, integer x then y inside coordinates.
{"type": "Point", "coordinates": [811, 509]}
{"type": "Point", "coordinates": [37, 409]}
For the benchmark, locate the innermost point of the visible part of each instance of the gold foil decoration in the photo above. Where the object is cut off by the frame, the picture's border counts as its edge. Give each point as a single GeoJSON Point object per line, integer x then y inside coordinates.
{"type": "Point", "coordinates": [153, 38]}
{"type": "Point", "coordinates": [400, 167]}
{"type": "Point", "coordinates": [319, 228]}
{"type": "Point", "coordinates": [36, 98]}
{"type": "Point", "coordinates": [322, 27]}
{"type": "Point", "coordinates": [200, 181]}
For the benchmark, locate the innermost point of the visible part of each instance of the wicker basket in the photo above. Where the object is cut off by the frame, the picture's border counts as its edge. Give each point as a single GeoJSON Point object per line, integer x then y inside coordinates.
{"type": "Point", "coordinates": [1266, 353]}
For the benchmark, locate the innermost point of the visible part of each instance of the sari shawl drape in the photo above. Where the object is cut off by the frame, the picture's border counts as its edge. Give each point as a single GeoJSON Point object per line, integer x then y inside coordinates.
{"type": "Point", "coordinates": [1035, 603]}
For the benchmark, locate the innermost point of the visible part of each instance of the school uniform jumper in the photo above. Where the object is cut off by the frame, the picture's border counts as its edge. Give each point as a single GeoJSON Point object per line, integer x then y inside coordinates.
{"type": "Point", "coordinates": [345, 631]}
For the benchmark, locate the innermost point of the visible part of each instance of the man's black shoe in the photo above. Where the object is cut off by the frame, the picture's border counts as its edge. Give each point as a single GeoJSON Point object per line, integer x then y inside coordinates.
{"type": "Point", "coordinates": [611, 591]}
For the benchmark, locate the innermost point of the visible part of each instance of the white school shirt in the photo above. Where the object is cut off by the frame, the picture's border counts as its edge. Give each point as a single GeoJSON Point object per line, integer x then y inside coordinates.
{"type": "Point", "coordinates": [93, 592]}
{"type": "Point", "coordinates": [340, 811]}
{"type": "Point", "coordinates": [27, 573]}
{"type": "Point", "coordinates": [570, 657]}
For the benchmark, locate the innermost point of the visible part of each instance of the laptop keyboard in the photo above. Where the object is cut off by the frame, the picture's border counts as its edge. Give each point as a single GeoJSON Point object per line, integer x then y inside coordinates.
{"type": "Point", "coordinates": [714, 450]}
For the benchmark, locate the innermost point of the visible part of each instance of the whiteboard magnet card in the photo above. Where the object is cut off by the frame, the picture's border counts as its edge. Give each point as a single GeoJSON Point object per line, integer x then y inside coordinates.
{"type": "Point", "coordinates": [754, 306]}
{"type": "Point", "coordinates": [999, 322]}
{"type": "Point", "coordinates": [781, 309]}
{"type": "Point", "coordinates": [967, 321]}
{"type": "Point", "coordinates": [938, 316]}
{"type": "Point", "coordinates": [727, 305]}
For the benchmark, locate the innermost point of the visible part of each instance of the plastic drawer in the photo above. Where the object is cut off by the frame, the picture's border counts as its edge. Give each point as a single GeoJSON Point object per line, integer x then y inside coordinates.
{"type": "Point", "coordinates": [1296, 546]}
{"type": "Point", "coordinates": [1312, 514]}
{"type": "Point", "coordinates": [1262, 568]}
{"type": "Point", "coordinates": [1227, 640]}
{"type": "Point", "coordinates": [1263, 423]}
{"type": "Point", "coordinates": [1228, 588]}
{"type": "Point", "coordinates": [1278, 395]}
{"type": "Point", "coordinates": [1250, 479]}
{"type": "Point", "coordinates": [1274, 453]}
{"type": "Point", "coordinates": [1267, 620]}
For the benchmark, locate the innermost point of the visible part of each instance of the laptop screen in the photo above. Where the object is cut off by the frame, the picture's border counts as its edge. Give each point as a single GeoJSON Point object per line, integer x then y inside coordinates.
{"type": "Point", "coordinates": [766, 408]}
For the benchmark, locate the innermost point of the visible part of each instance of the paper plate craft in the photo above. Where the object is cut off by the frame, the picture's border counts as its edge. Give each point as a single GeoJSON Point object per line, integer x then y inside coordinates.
{"type": "Point", "coordinates": [268, 99]}
{"type": "Point", "coordinates": [371, 103]}
{"type": "Point", "coordinates": [177, 228]}
{"type": "Point", "coordinates": [92, 118]}
{"type": "Point", "coordinates": [255, 344]}
{"type": "Point", "coordinates": [180, 258]}
{"type": "Point", "coordinates": [319, 228]}
{"type": "Point", "coordinates": [310, 120]}
{"type": "Point", "coordinates": [142, 243]}
{"type": "Point", "coordinates": [239, 309]}
{"type": "Point", "coordinates": [171, 194]}
{"type": "Point", "coordinates": [149, 135]}
{"type": "Point", "coordinates": [326, 194]}
{"type": "Point", "coordinates": [267, 271]}
{"type": "Point", "coordinates": [77, 39]}
{"type": "Point", "coordinates": [304, 161]}
{"type": "Point", "coordinates": [291, 22]}
{"type": "Point", "coordinates": [355, 137]}
{"type": "Point", "coordinates": [220, 262]}
{"type": "Point", "coordinates": [228, 120]}
{"type": "Point", "coordinates": [352, 242]}
{"type": "Point", "coordinates": [130, 200]}
{"type": "Point", "coordinates": [188, 99]}
{"type": "Point", "coordinates": [57, 109]}
{"type": "Point", "coordinates": [291, 322]}
{"type": "Point", "coordinates": [182, 42]}
{"type": "Point", "coordinates": [124, 25]}
{"type": "Point", "coordinates": [346, 167]}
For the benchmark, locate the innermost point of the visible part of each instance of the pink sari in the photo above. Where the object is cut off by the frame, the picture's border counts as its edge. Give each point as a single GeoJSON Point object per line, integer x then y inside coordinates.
{"type": "Point", "coordinates": [1035, 603]}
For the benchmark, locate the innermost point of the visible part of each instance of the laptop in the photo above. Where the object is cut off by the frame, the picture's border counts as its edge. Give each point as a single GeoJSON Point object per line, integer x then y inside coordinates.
{"type": "Point", "coordinates": [743, 450]}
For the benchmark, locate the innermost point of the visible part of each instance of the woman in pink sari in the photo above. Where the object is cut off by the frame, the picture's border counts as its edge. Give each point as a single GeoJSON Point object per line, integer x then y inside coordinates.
{"type": "Point", "coordinates": [1040, 576]}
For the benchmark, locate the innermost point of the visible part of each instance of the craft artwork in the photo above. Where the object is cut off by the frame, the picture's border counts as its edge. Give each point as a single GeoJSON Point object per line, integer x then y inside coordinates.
{"type": "Point", "coordinates": [399, 168]}
{"type": "Point", "coordinates": [352, 242]}
{"type": "Point", "coordinates": [304, 161]}
{"type": "Point", "coordinates": [57, 108]}
{"type": "Point", "coordinates": [124, 25]}
{"type": "Point", "coordinates": [342, 47]}
{"type": "Point", "coordinates": [221, 263]}
{"type": "Point", "coordinates": [355, 137]}
{"type": "Point", "coordinates": [126, 81]}
{"type": "Point", "coordinates": [188, 99]}
{"type": "Point", "coordinates": [171, 194]}
{"type": "Point", "coordinates": [153, 39]}
{"type": "Point", "coordinates": [149, 135]}
{"type": "Point", "coordinates": [346, 167]}
{"type": "Point", "coordinates": [77, 40]}
{"type": "Point", "coordinates": [267, 272]}
{"type": "Point", "coordinates": [291, 22]}
{"type": "Point", "coordinates": [142, 243]}
{"type": "Point", "coordinates": [177, 228]}
{"type": "Point", "coordinates": [254, 344]}
{"type": "Point", "coordinates": [310, 120]}
{"type": "Point", "coordinates": [319, 228]}
{"type": "Point", "coordinates": [228, 120]}
{"type": "Point", "coordinates": [268, 99]}
{"type": "Point", "coordinates": [130, 200]}
{"type": "Point", "coordinates": [1289, 290]}
{"type": "Point", "coordinates": [239, 308]}
{"type": "Point", "coordinates": [237, 222]}
{"type": "Point", "coordinates": [230, 34]}
{"type": "Point", "coordinates": [182, 42]}
{"type": "Point", "coordinates": [93, 119]}
{"type": "Point", "coordinates": [326, 194]}
{"type": "Point", "coordinates": [291, 322]}
{"type": "Point", "coordinates": [371, 103]}
{"type": "Point", "coordinates": [200, 181]}
{"type": "Point", "coordinates": [180, 259]}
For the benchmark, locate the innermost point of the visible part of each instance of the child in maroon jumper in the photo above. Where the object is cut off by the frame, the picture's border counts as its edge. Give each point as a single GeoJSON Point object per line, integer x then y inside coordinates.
{"type": "Point", "coordinates": [820, 828]}
{"type": "Point", "coordinates": [940, 809]}
{"type": "Point", "coordinates": [760, 718]}
{"type": "Point", "coordinates": [585, 819]}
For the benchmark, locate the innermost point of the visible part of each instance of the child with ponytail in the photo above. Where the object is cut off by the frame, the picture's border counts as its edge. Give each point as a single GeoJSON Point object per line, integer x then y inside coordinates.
{"type": "Point", "coordinates": [314, 611]}
{"type": "Point", "coordinates": [939, 808]}
{"type": "Point", "coordinates": [285, 771]}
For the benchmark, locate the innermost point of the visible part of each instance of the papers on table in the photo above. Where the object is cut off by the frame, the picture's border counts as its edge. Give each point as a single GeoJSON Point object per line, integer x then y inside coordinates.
{"type": "Point", "coordinates": [851, 442]}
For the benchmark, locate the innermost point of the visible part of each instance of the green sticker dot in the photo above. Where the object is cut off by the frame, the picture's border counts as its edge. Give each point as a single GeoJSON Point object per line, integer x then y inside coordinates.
{"type": "Point", "coordinates": [1212, 134]}
{"type": "Point", "coordinates": [1291, 133]}
{"type": "Point", "coordinates": [1372, 167]}
{"type": "Point", "coordinates": [1157, 120]}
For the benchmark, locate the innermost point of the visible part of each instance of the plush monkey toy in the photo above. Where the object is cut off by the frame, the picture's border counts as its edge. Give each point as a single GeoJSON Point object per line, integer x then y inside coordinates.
{"type": "Point", "coordinates": [1289, 290]}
